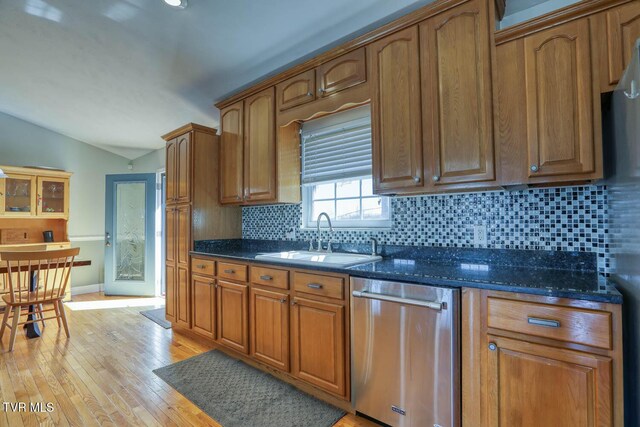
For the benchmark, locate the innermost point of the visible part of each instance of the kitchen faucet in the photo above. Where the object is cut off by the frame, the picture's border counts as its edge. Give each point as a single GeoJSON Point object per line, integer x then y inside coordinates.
{"type": "Point", "coordinates": [318, 231]}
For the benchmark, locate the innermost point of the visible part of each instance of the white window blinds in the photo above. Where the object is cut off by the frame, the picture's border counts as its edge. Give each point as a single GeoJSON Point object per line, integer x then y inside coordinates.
{"type": "Point", "coordinates": [337, 147]}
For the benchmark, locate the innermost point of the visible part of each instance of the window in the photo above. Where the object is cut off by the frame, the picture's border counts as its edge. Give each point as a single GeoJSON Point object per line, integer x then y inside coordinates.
{"type": "Point", "coordinates": [336, 172]}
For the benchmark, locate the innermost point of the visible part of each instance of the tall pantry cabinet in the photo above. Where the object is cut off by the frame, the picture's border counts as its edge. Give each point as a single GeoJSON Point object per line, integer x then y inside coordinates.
{"type": "Point", "coordinates": [193, 211]}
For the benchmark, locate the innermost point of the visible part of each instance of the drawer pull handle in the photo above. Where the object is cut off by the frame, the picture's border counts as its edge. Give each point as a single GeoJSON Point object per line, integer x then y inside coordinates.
{"type": "Point", "coordinates": [201, 266]}
{"type": "Point", "coordinates": [266, 277]}
{"type": "Point", "coordinates": [230, 271]}
{"type": "Point", "coordinates": [543, 322]}
{"type": "Point", "coordinates": [314, 285]}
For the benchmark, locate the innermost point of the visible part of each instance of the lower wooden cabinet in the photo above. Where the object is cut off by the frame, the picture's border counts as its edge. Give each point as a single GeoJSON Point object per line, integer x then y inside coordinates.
{"type": "Point", "coordinates": [270, 328]}
{"type": "Point", "coordinates": [531, 360]}
{"type": "Point", "coordinates": [203, 305]}
{"type": "Point", "coordinates": [183, 298]}
{"type": "Point", "coordinates": [318, 354]}
{"type": "Point", "coordinates": [537, 385]}
{"type": "Point", "coordinates": [233, 315]}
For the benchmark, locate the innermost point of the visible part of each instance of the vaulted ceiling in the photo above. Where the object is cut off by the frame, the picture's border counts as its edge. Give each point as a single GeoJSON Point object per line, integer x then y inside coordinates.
{"type": "Point", "coordinates": [119, 73]}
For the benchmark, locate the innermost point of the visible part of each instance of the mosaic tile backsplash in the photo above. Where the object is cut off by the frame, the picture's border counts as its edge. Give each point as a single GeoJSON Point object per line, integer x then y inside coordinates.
{"type": "Point", "coordinates": [555, 219]}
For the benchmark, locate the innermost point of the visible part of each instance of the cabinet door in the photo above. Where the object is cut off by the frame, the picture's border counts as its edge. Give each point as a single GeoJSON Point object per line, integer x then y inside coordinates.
{"type": "Point", "coordinates": [170, 261]}
{"type": "Point", "coordinates": [203, 297]}
{"type": "Point", "coordinates": [171, 173]}
{"type": "Point", "coordinates": [297, 90]}
{"type": "Point", "coordinates": [318, 344]}
{"type": "Point", "coordinates": [19, 196]}
{"type": "Point", "coordinates": [456, 95]}
{"type": "Point", "coordinates": [183, 168]}
{"type": "Point", "coordinates": [231, 154]}
{"type": "Point", "coordinates": [623, 29]}
{"type": "Point", "coordinates": [560, 100]}
{"type": "Point", "coordinates": [53, 197]}
{"type": "Point", "coordinates": [183, 296]}
{"type": "Point", "coordinates": [342, 73]}
{"type": "Point", "coordinates": [395, 113]}
{"type": "Point", "coordinates": [171, 293]}
{"type": "Point", "coordinates": [532, 385]}
{"type": "Point", "coordinates": [260, 146]}
{"type": "Point", "coordinates": [183, 234]}
{"type": "Point", "coordinates": [233, 315]}
{"type": "Point", "coordinates": [270, 328]}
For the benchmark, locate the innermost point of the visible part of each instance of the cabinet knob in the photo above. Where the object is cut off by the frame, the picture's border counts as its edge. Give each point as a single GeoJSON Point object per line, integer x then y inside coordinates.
{"type": "Point", "coordinates": [534, 168]}
{"type": "Point", "coordinates": [309, 94]}
{"type": "Point", "coordinates": [283, 300]}
{"type": "Point", "coordinates": [416, 179]}
{"type": "Point", "coordinates": [321, 90]}
{"type": "Point", "coordinates": [493, 346]}
{"type": "Point", "coordinates": [215, 285]}
{"type": "Point", "coordinates": [293, 302]}
{"type": "Point", "coordinates": [436, 178]}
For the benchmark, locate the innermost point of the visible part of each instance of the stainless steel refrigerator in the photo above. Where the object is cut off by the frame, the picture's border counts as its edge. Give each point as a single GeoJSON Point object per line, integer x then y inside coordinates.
{"type": "Point", "coordinates": [622, 135]}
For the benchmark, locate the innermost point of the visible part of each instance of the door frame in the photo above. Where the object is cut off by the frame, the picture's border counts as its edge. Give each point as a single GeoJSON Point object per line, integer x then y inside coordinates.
{"type": "Point", "coordinates": [110, 227]}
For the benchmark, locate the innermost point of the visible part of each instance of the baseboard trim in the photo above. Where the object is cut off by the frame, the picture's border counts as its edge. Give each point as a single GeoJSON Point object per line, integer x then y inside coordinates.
{"type": "Point", "coordinates": [87, 289]}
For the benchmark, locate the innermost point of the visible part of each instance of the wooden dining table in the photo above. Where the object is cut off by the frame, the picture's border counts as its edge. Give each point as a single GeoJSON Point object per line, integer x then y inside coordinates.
{"type": "Point", "coordinates": [33, 330]}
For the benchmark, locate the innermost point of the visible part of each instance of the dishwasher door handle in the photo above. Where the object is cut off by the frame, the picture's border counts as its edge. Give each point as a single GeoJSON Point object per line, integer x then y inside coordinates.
{"type": "Point", "coordinates": [420, 303]}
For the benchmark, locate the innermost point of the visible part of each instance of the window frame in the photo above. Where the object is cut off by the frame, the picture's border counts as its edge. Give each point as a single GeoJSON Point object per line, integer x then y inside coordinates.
{"type": "Point", "coordinates": [309, 223]}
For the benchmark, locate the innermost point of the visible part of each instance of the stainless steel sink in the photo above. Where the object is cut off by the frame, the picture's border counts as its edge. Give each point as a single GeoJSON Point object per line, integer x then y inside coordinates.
{"type": "Point", "coordinates": [334, 259]}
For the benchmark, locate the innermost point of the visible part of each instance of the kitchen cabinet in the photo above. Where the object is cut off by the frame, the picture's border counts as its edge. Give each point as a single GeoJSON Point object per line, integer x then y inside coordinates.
{"type": "Point", "coordinates": [531, 385]}
{"type": "Point", "coordinates": [178, 235]}
{"type": "Point", "coordinates": [233, 315]}
{"type": "Point", "coordinates": [203, 304]}
{"type": "Point", "coordinates": [396, 115]}
{"type": "Point", "coordinates": [318, 339]}
{"type": "Point", "coordinates": [253, 168]}
{"type": "Point", "coordinates": [178, 169]}
{"type": "Point", "coordinates": [622, 30]}
{"type": "Point", "coordinates": [562, 100]}
{"type": "Point", "coordinates": [341, 73]}
{"type": "Point", "coordinates": [232, 154]}
{"type": "Point", "coordinates": [193, 211]}
{"type": "Point", "coordinates": [34, 193]}
{"type": "Point", "coordinates": [270, 328]}
{"type": "Point", "coordinates": [532, 360]}
{"type": "Point", "coordinates": [455, 55]}
{"type": "Point", "coordinates": [53, 197]}
{"type": "Point", "coordinates": [260, 147]}
{"type": "Point", "coordinates": [296, 90]}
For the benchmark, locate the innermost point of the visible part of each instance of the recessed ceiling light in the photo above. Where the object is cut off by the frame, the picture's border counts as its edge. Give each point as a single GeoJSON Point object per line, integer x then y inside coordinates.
{"type": "Point", "coordinates": [178, 4]}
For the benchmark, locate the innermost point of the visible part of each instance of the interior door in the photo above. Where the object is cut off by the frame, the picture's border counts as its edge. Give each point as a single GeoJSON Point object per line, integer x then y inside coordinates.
{"type": "Point", "coordinates": [129, 264]}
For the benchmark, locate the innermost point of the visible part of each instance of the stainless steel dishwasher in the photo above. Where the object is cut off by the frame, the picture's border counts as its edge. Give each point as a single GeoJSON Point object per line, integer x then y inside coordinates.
{"type": "Point", "coordinates": [405, 353]}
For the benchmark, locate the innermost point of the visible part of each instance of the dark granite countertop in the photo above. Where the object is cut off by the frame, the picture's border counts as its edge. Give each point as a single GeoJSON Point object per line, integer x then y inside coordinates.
{"type": "Point", "coordinates": [547, 273]}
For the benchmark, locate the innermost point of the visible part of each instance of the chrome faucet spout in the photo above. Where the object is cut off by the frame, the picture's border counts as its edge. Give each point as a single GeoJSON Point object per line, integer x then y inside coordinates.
{"type": "Point", "coordinates": [326, 215]}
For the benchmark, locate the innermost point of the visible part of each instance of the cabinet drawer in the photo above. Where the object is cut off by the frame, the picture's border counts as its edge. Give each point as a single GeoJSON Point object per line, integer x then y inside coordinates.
{"type": "Point", "coordinates": [227, 270]}
{"type": "Point", "coordinates": [270, 277]}
{"type": "Point", "coordinates": [316, 284]}
{"type": "Point", "coordinates": [588, 327]}
{"type": "Point", "coordinates": [205, 267]}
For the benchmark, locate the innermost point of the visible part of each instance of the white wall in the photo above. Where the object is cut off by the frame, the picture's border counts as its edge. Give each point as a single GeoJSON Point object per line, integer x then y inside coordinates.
{"type": "Point", "coordinates": [150, 163]}
{"type": "Point", "coordinates": [25, 144]}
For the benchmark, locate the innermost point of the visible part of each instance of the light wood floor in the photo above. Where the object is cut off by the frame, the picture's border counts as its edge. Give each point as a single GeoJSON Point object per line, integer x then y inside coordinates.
{"type": "Point", "coordinates": [102, 375]}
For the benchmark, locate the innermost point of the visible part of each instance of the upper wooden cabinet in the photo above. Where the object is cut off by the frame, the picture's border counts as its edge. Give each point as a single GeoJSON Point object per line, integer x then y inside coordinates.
{"type": "Point", "coordinates": [178, 169]}
{"type": "Point", "coordinates": [231, 154]}
{"type": "Point", "coordinates": [396, 113]}
{"type": "Point", "coordinates": [31, 192]}
{"type": "Point", "coordinates": [297, 90]}
{"type": "Point", "coordinates": [260, 147]}
{"type": "Point", "coordinates": [623, 30]}
{"type": "Point", "coordinates": [253, 167]}
{"type": "Point", "coordinates": [455, 53]}
{"type": "Point", "coordinates": [562, 100]}
{"type": "Point", "coordinates": [341, 73]}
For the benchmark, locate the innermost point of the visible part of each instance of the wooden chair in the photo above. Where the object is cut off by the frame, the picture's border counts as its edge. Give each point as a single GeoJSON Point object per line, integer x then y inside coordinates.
{"type": "Point", "coordinates": [22, 267]}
